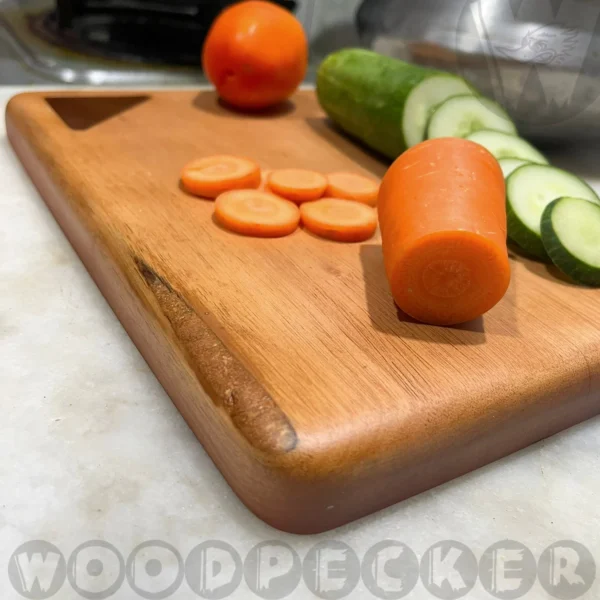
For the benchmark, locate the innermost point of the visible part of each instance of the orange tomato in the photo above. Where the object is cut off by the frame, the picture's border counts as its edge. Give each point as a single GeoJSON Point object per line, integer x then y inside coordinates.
{"type": "Point", "coordinates": [256, 54]}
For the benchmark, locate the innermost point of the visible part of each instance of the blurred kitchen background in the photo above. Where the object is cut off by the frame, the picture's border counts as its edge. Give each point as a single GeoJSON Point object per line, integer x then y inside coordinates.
{"type": "Point", "coordinates": [540, 59]}
{"type": "Point", "coordinates": [136, 42]}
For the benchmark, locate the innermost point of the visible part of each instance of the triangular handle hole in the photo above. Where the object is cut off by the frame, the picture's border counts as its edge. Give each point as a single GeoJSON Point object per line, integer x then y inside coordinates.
{"type": "Point", "coordinates": [80, 112]}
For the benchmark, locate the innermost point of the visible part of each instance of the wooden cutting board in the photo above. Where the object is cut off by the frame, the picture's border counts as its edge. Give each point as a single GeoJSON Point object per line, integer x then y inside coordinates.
{"type": "Point", "coordinates": [315, 397]}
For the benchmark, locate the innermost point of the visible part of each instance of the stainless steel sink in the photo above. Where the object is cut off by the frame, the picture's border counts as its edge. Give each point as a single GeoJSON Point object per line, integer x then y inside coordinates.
{"type": "Point", "coordinates": [538, 58]}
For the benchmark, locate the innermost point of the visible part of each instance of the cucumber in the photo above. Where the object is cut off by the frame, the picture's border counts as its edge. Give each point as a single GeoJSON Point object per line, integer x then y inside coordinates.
{"type": "Point", "coordinates": [571, 236]}
{"type": "Point", "coordinates": [461, 116]}
{"type": "Point", "coordinates": [529, 190]}
{"type": "Point", "coordinates": [508, 165]}
{"type": "Point", "coordinates": [375, 98]}
{"type": "Point", "coordinates": [424, 98]}
{"type": "Point", "coordinates": [504, 145]}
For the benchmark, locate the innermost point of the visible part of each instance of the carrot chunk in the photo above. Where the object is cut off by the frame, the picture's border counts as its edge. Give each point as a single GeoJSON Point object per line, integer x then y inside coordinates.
{"type": "Point", "coordinates": [208, 177]}
{"type": "Point", "coordinates": [442, 216]}
{"type": "Point", "coordinates": [297, 185]}
{"type": "Point", "coordinates": [339, 220]}
{"type": "Point", "coordinates": [351, 186]}
{"type": "Point", "coordinates": [256, 213]}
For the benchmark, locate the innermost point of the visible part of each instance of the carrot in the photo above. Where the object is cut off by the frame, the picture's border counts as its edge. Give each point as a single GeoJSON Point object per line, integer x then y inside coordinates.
{"type": "Point", "coordinates": [339, 220]}
{"type": "Point", "coordinates": [256, 213]}
{"type": "Point", "coordinates": [297, 185]}
{"type": "Point", "coordinates": [208, 177]}
{"type": "Point", "coordinates": [443, 224]}
{"type": "Point", "coordinates": [351, 186]}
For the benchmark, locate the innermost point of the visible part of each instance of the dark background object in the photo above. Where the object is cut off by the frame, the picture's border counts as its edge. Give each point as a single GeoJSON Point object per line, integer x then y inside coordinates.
{"type": "Point", "coordinates": [152, 31]}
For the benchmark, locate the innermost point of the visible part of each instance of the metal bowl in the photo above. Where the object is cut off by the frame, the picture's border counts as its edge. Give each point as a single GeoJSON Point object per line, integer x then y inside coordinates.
{"type": "Point", "coordinates": [539, 58]}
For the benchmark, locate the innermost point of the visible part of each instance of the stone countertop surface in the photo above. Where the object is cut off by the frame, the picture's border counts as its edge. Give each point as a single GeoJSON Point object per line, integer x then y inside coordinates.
{"type": "Point", "coordinates": [91, 447]}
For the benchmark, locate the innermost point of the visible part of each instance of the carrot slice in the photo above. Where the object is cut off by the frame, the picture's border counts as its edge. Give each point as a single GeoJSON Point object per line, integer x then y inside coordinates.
{"type": "Point", "coordinates": [351, 186]}
{"type": "Point", "coordinates": [256, 213]}
{"type": "Point", "coordinates": [442, 213]}
{"type": "Point", "coordinates": [208, 177]}
{"type": "Point", "coordinates": [297, 185]}
{"type": "Point", "coordinates": [339, 220]}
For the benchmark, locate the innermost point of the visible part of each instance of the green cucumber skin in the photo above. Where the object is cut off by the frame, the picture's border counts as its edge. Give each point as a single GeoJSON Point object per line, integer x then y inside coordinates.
{"type": "Point", "coordinates": [570, 265]}
{"type": "Point", "coordinates": [526, 239]}
{"type": "Point", "coordinates": [365, 93]}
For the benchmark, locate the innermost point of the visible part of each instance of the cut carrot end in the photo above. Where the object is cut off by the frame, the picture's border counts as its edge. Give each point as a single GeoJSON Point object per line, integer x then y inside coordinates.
{"type": "Point", "coordinates": [445, 278]}
{"type": "Point", "coordinates": [351, 186]}
{"type": "Point", "coordinates": [208, 177]}
{"type": "Point", "coordinates": [297, 185]}
{"type": "Point", "coordinates": [256, 213]}
{"type": "Point", "coordinates": [339, 220]}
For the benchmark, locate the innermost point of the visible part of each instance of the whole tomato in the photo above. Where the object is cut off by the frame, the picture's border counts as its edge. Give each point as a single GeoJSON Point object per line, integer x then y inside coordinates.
{"type": "Point", "coordinates": [256, 54]}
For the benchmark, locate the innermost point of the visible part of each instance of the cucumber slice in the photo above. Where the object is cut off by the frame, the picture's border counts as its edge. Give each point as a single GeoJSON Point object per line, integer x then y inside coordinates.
{"type": "Point", "coordinates": [461, 116]}
{"type": "Point", "coordinates": [571, 236]}
{"type": "Point", "coordinates": [504, 145]}
{"type": "Point", "coordinates": [529, 190]}
{"type": "Point", "coordinates": [508, 165]}
{"type": "Point", "coordinates": [423, 98]}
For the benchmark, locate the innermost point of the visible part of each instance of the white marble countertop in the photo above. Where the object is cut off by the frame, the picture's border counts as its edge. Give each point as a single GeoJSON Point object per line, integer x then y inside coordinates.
{"type": "Point", "coordinates": [92, 448]}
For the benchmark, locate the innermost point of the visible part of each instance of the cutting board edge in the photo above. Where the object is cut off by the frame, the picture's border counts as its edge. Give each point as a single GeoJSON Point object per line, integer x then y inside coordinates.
{"type": "Point", "coordinates": [269, 434]}
{"type": "Point", "coordinates": [210, 425]}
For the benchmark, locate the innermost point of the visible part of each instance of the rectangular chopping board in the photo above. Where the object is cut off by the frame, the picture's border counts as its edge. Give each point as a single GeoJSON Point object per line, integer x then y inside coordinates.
{"type": "Point", "coordinates": [318, 401]}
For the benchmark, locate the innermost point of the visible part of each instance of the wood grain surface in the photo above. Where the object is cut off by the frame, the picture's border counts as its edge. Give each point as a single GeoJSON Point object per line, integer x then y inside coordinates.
{"type": "Point", "coordinates": [318, 401]}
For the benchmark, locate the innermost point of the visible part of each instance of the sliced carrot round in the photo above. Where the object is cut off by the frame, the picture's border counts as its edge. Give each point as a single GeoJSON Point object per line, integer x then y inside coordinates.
{"type": "Point", "coordinates": [256, 213]}
{"type": "Point", "coordinates": [208, 177]}
{"type": "Point", "coordinates": [298, 185]}
{"type": "Point", "coordinates": [352, 186]}
{"type": "Point", "coordinates": [339, 220]}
